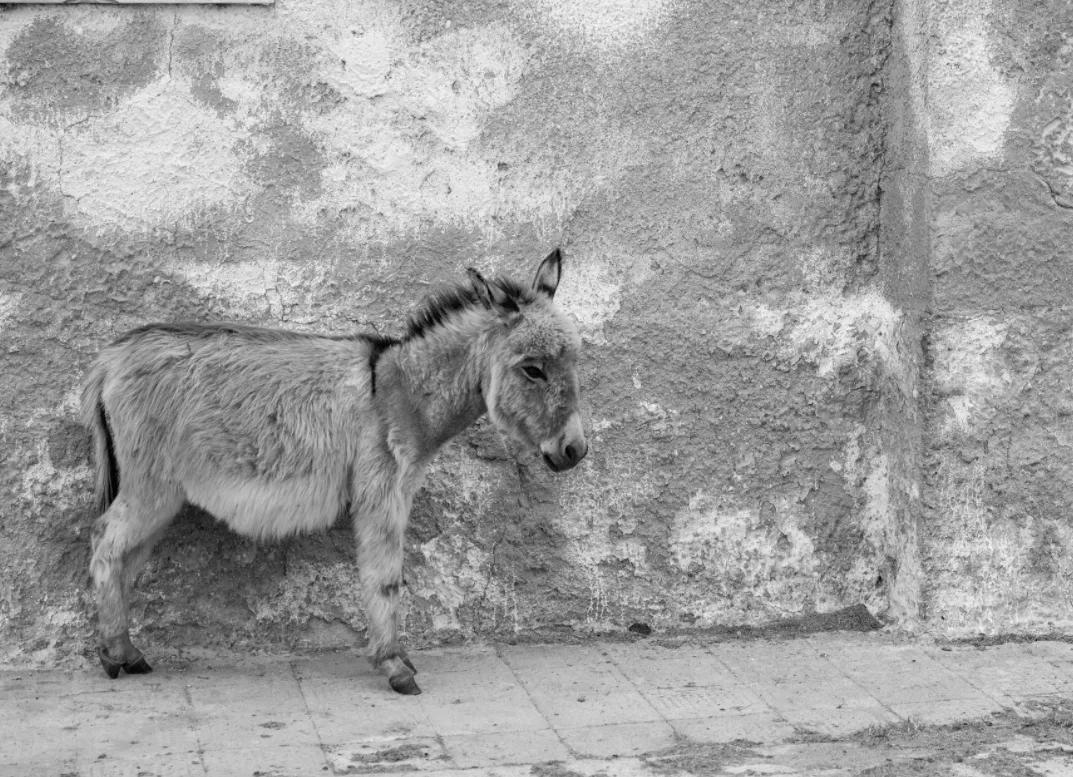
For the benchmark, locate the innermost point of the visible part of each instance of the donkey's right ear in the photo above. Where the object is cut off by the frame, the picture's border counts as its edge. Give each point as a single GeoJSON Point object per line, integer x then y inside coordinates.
{"type": "Point", "coordinates": [547, 276]}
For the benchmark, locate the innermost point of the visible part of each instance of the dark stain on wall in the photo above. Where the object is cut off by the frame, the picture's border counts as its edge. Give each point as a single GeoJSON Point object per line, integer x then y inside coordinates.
{"type": "Point", "coordinates": [58, 74]}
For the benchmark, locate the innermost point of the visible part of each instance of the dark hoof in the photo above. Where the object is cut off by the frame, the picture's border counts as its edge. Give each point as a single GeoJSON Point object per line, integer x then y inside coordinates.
{"type": "Point", "coordinates": [404, 684]}
{"type": "Point", "coordinates": [110, 666]}
{"type": "Point", "coordinates": [410, 664]}
{"type": "Point", "coordinates": [138, 667]}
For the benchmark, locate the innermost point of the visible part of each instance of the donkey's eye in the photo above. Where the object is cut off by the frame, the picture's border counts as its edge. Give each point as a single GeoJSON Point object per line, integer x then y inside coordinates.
{"type": "Point", "coordinates": [533, 373]}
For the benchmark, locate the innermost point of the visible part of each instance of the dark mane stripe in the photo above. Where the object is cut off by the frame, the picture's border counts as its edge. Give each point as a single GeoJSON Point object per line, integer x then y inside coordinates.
{"type": "Point", "coordinates": [440, 306]}
{"type": "Point", "coordinates": [377, 345]}
{"type": "Point", "coordinates": [434, 311]}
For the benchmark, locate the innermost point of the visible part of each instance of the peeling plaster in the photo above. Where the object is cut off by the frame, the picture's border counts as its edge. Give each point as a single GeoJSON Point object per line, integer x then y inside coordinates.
{"type": "Point", "coordinates": [987, 581]}
{"type": "Point", "coordinates": [963, 101]}
{"type": "Point", "coordinates": [328, 591]}
{"type": "Point", "coordinates": [589, 506]}
{"type": "Point", "coordinates": [42, 481]}
{"type": "Point", "coordinates": [827, 330]}
{"type": "Point", "coordinates": [771, 558]}
{"type": "Point", "coordinates": [592, 294]}
{"type": "Point", "coordinates": [460, 573]}
{"type": "Point", "coordinates": [9, 304]}
{"type": "Point", "coordinates": [157, 159]}
{"type": "Point", "coordinates": [407, 154]}
{"type": "Point", "coordinates": [970, 372]}
{"type": "Point", "coordinates": [283, 291]}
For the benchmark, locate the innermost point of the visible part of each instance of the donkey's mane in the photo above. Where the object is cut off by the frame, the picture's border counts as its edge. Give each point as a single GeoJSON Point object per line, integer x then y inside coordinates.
{"type": "Point", "coordinates": [437, 308]}
{"type": "Point", "coordinates": [440, 306]}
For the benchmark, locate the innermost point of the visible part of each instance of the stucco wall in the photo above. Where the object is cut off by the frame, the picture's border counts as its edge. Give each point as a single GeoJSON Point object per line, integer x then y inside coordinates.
{"type": "Point", "coordinates": [749, 198]}
{"type": "Point", "coordinates": [993, 95]}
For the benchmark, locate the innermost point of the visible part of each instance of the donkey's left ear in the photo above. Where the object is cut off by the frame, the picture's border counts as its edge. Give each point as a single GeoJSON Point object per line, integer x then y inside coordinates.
{"type": "Point", "coordinates": [492, 295]}
{"type": "Point", "coordinates": [548, 274]}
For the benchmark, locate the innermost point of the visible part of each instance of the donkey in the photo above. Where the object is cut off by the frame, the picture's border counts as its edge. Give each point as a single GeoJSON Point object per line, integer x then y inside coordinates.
{"type": "Point", "coordinates": [277, 432]}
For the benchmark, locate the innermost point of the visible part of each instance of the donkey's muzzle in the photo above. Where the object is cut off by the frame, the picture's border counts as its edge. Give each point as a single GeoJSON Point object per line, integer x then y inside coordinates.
{"type": "Point", "coordinates": [567, 456]}
{"type": "Point", "coordinates": [565, 450]}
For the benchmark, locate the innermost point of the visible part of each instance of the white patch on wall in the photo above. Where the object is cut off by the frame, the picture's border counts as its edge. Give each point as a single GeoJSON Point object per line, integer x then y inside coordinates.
{"type": "Point", "coordinates": [986, 578]}
{"type": "Point", "coordinates": [457, 573]}
{"type": "Point", "coordinates": [286, 291]}
{"type": "Point", "coordinates": [41, 480]}
{"type": "Point", "coordinates": [965, 102]}
{"type": "Point", "coordinates": [9, 303]}
{"type": "Point", "coordinates": [588, 508]}
{"type": "Point", "coordinates": [829, 328]}
{"type": "Point", "coordinates": [609, 25]}
{"type": "Point", "coordinates": [744, 555]}
{"type": "Point", "coordinates": [35, 146]}
{"type": "Point", "coordinates": [158, 159]}
{"type": "Point", "coordinates": [406, 145]}
{"type": "Point", "coordinates": [401, 144]}
{"type": "Point", "coordinates": [327, 591]}
{"type": "Point", "coordinates": [591, 294]}
{"type": "Point", "coordinates": [970, 372]}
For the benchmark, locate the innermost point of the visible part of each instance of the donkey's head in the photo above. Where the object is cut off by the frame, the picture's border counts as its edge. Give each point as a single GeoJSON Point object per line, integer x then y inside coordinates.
{"type": "Point", "coordinates": [530, 385]}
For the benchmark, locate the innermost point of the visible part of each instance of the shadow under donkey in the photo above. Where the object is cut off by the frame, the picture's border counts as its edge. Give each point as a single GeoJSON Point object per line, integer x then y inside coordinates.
{"type": "Point", "coordinates": [276, 432]}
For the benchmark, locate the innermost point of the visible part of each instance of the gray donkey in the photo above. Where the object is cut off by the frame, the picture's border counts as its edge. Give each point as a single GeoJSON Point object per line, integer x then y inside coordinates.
{"type": "Point", "coordinates": [278, 432]}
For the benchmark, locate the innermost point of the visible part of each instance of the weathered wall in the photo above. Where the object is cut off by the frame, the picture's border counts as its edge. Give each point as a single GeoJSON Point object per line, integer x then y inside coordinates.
{"type": "Point", "coordinates": [992, 93]}
{"type": "Point", "coordinates": [716, 173]}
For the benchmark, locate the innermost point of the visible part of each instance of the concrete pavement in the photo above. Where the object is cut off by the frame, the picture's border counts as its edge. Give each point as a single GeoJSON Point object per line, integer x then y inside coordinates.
{"type": "Point", "coordinates": [839, 703]}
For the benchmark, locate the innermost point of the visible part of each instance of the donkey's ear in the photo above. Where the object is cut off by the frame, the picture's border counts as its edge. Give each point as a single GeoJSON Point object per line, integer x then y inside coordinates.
{"type": "Point", "coordinates": [548, 274]}
{"type": "Point", "coordinates": [491, 295]}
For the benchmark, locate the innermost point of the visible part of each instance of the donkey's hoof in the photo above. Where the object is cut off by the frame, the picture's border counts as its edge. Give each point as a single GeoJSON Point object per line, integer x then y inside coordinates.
{"type": "Point", "coordinates": [404, 683]}
{"type": "Point", "coordinates": [110, 666]}
{"type": "Point", "coordinates": [141, 666]}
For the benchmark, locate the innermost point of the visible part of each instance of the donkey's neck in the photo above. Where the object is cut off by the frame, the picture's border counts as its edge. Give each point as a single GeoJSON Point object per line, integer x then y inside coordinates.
{"type": "Point", "coordinates": [430, 385]}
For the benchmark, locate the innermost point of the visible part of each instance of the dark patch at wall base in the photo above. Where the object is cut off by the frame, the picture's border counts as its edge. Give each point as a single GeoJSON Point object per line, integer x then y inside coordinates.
{"type": "Point", "coordinates": [854, 618]}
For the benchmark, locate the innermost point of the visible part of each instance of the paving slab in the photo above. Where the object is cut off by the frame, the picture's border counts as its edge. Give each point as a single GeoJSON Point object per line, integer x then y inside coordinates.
{"type": "Point", "coordinates": [506, 748]}
{"type": "Point", "coordinates": [600, 708]}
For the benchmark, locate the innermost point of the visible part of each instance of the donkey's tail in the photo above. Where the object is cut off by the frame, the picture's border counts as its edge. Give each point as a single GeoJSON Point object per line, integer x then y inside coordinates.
{"type": "Point", "coordinates": [95, 418]}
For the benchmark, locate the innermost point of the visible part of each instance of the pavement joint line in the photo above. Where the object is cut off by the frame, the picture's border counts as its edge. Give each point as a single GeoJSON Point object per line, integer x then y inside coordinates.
{"type": "Point", "coordinates": [640, 691]}
{"type": "Point", "coordinates": [967, 680]}
{"type": "Point", "coordinates": [529, 695]}
{"type": "Point", "coordinates": [293, 666]}
{"type": "Point", "coordinates": [194, 728]}
{"type": "Point", "coordinates": [860, 685]}
{"type": "Point", "coordinates": [1003, 703]}
{"type": "Point", "coordinates": [943, 669]}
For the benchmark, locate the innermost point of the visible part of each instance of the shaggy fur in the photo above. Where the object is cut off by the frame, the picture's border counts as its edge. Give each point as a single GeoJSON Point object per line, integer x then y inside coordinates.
{"type": "Point", "coordinates": [278, 432]}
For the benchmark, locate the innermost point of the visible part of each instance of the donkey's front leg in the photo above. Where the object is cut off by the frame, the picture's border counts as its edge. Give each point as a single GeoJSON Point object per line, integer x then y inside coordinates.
{"type": "Point", "coordinates": [380, 546]}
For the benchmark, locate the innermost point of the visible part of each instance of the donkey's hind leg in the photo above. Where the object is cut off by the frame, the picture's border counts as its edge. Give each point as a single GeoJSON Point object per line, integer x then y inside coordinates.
{"type": "Point", "coordinates": [123, 538]}
{"type": "Point", "coordinates": [380, 553]}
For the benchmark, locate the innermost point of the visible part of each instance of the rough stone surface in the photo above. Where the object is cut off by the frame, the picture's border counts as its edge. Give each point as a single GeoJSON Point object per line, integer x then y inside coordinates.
{"type": "Point", "coordinates": [999, 399]}
{"type": "Point", "coordinates": [764, 209]}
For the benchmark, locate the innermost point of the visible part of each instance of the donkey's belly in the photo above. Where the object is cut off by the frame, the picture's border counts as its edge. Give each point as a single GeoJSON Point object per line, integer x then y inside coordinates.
{"type": "Point", "coordinates": [266, 509]}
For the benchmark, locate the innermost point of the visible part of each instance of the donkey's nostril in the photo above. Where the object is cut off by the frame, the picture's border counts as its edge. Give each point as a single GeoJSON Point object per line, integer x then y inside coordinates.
{"type": "Point", "coordinates": [571, 453]}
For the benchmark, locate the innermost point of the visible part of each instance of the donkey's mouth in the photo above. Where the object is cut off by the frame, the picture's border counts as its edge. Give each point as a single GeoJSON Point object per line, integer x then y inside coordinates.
{"type": "Point", "coordinates": [552, 465]}
{"type": "Point", "coordinates": [559, 466]}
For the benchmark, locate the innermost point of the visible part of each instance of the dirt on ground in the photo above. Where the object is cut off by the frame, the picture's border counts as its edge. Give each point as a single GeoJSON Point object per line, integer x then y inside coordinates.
{"type": "Point", "coordinates": [1036, 741]}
